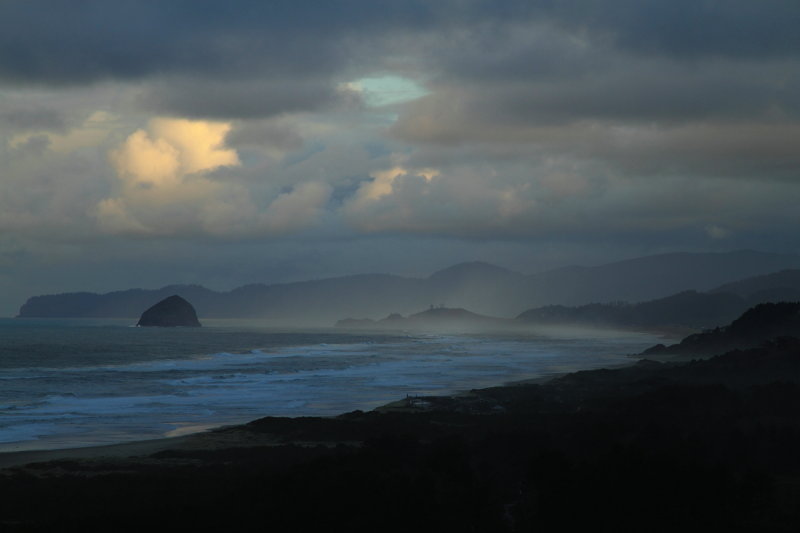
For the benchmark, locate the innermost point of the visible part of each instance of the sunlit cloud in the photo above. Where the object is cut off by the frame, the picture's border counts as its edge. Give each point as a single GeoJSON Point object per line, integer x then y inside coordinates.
{"type": "Point", "coordinates": [171, 149]}
{"type": "Point", "coordinates": [163, 182]}
{"type": "Point", "coordinates": [171, 180]}
{"type": "Point", "coordinates": [461, 201]}
{"type": "Point", "coordinates": [92, 132]}
{"type": "Point", "coordinates": [383, 180]}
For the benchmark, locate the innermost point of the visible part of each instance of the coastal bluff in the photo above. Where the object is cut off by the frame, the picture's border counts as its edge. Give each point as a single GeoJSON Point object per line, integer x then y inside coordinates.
{"type": "Point", "coordinates": [170, 312]}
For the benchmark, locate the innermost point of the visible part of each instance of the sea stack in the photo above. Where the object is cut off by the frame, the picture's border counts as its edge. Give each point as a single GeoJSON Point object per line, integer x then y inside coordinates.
{"type": "Point", "coordinates": [170, 313]}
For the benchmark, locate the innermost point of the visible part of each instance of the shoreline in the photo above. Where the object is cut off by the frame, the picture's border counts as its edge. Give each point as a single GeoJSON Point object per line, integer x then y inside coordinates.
{"type": "Point", "coordinates": [652, 435]}
{"type": "Point", "coordinates": [216, 438]}
{"type": "Point", "coordinates": [28, 444]}
{"type": "Point", "coordinates": [13, 459]}
{"type": "Point", "coordinates": [209, 438]}
{"type": "Point", "coordinates": [224, 436]}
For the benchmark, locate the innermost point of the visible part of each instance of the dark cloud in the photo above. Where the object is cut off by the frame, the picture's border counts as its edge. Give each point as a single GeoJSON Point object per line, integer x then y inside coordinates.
{"type": "Point", "coordinates": [643, 116]}
{"type": "Point", "coordinates": [639, 96]}
{"type": "Point", "coordinates": [269, 134]}
{"type": "Point", "coordinates": [552, 130]}
{"type": "Point", "coordinates": [679, 28]}
{"type": "Point", "coordinates": [239, 99]}
{"type": "Point", "coordinates": [22, 120]}
{"type": "Point", "coordinates": [690, 28]}
{"type": "Point", "coordinates": [42, 41]}
{"type": "Point", "coordinates": [205, 53]}
{"type": "Point", "coordinates": [764, 152]}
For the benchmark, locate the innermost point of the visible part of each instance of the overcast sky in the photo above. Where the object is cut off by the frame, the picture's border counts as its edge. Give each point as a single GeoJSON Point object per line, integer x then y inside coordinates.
{"type": "Point", "coordinates": [145, 142]}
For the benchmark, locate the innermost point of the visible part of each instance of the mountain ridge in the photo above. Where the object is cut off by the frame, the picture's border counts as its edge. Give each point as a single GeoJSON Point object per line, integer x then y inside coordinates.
{"type": "Point", "coordinates": [481, 287]}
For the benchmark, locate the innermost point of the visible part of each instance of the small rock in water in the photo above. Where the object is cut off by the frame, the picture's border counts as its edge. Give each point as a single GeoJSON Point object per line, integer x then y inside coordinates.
{"type": "Point", "coordinates": [170, 312]}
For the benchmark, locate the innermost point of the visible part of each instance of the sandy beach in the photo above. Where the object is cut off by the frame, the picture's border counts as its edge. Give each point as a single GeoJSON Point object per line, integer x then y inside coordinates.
{"type": "Point", "coordinates": [209, 440]}
{"type": "Point", "coordinates": [234, 436]}
{"type": "Point", "coordinates": [115, 451]}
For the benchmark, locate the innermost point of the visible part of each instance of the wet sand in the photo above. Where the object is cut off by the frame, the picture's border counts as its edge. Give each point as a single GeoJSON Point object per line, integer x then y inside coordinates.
{"type": "Point", "coordinates": [215, 439]}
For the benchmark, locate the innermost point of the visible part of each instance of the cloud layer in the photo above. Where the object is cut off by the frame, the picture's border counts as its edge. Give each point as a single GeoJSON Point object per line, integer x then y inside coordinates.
{"type": "Point", "coordinates": [632, 125]}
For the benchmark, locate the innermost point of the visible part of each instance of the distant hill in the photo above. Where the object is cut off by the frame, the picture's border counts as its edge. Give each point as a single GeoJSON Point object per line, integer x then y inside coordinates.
{"type": "Point", "coordinates": [651, 277]}
{"type": "Point", "coordinates": [759, 324]}
{"type": "Point", "coordinates": [687, 309]}
{"type": "Point", "coordinates": [436, 318]}
{"type": "Point", "coordinates": [775, 287]}
{"type": "Point", "coordinates": [483, 288]}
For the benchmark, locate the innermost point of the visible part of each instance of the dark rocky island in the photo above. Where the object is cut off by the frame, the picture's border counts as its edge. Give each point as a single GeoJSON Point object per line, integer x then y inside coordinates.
{"type": "Point", "coordinates": [169, 313]}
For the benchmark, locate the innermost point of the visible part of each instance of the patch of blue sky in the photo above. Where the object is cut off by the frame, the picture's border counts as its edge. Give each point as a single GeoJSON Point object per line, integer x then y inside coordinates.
{"type": "Point", "coordinates": [388, 90]}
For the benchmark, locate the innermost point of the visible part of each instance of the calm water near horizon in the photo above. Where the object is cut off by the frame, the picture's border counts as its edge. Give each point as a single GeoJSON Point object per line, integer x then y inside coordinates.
{"type": "Point", "coordinates": [68, 383]}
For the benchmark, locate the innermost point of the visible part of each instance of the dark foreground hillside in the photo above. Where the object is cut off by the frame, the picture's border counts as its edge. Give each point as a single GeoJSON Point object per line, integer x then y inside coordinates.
{"type": "Point", "coordinates": [708, 445]}
{"type": "Point", "coordinates": [758, 324]}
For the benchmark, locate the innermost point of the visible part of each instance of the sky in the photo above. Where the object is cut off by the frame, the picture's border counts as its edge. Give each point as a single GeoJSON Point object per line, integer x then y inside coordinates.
{"type": "Point", "coordinates": [145, 143]}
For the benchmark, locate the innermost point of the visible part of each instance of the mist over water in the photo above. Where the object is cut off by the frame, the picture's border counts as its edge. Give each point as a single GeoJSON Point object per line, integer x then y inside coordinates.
{"type": "Point", "coordinates": [67, 383]}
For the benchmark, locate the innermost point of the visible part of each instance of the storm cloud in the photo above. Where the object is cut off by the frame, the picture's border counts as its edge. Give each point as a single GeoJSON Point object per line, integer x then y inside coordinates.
{"type": "Point", "coordinates": [576, 129]}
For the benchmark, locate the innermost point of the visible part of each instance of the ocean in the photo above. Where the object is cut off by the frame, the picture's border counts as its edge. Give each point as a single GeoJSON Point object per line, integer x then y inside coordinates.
{"type": "Point", "coordinates": [73, 383]}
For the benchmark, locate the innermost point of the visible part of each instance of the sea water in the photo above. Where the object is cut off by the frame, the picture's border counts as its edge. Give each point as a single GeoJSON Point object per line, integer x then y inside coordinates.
{"type": "Point", "coordinates": [70, 383]}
